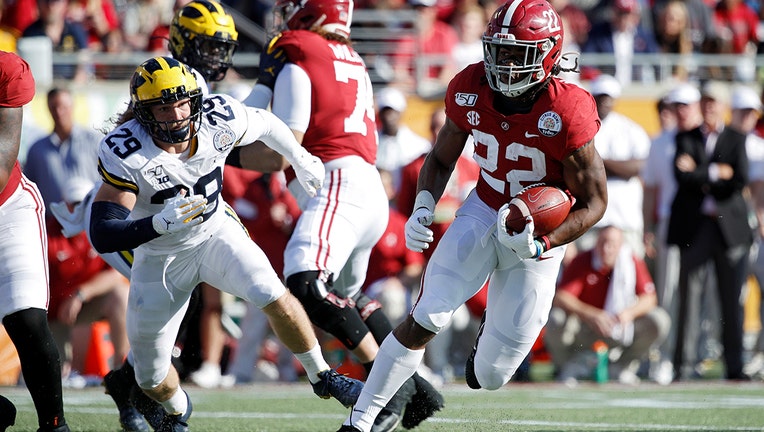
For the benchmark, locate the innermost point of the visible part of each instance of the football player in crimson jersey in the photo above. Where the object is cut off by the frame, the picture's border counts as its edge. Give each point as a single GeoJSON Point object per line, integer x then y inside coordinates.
{"type": "Point", "coordinates": [318, 84]}
{"type": "Point", "coordinates": [23, 259]}
{"type": "Point", "coordinates": [528, 127]}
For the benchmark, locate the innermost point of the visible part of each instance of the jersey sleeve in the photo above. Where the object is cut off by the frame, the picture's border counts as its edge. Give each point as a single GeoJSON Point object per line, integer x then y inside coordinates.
{"type": "Point", "coordinates": [581, 118]}
{"type": "Point", "coordinates": [112, 168]}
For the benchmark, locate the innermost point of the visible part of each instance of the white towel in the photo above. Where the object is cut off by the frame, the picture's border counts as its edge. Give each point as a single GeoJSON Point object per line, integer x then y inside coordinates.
{"type": "Point", "coordinates": [622, 293]}
{"type": "Point", "coordinates": [73, 222]}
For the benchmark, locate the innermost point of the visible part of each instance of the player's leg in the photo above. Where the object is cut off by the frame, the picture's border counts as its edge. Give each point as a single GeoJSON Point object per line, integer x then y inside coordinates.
{"type": "Point", "coordinates": [24, 294]}
{"type": "Point", "coordinates": [28, 329]}
{"type": "Point", "coordinates": [160, 292]}
{"type": "Point", "coordinates": [235, 264]}
{"type": "Point", "coordinates": [520, 294]}
{"type": "Point", "coordinates": [424, 399]}
{"type": "Point", "coordinates": [448, 282]}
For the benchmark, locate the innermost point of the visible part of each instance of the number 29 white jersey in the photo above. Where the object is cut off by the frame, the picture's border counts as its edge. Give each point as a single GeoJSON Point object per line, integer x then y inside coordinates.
{"type": "Point", "coordinates": [129, 160]}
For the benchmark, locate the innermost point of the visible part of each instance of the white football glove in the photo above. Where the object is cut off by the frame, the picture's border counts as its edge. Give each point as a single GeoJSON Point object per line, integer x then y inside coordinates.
{"type": "Point", "coordinates": [310, 172]}
{"type": "Point", "coordinates": [418, 236]}
{"type": "Point", "coordinates": [523, 244]}
{"type": "Point", "coordinates": [179, 213]}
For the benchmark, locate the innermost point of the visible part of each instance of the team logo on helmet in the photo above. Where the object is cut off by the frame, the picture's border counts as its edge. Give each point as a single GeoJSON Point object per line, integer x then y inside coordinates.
{"type": "Point", "coordinates": [550, 124]}
{"type": "Point", "coordinates": [223, 140]}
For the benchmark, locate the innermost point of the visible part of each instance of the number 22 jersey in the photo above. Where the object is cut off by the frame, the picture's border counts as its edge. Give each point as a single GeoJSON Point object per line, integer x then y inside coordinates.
{"type": "Point", "coordinates": [517, 150]}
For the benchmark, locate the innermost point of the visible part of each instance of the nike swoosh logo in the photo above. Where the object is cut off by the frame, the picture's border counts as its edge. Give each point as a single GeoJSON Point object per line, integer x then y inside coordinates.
{"type": "Point", "coordinates": [530, 135]}
{"type": "Point", "coordinates": [543, 257]}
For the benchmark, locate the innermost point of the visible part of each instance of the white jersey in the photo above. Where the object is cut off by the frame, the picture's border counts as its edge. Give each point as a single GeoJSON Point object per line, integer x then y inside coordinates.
{"type": "Point", "coordinates": [129, 160]}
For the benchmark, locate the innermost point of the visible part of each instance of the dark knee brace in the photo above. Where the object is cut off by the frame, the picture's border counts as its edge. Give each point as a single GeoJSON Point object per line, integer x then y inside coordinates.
{"type": "Point", "coordinates": [40, 363]}
{"type": "Point", "coordinates": [372, 314]}
{"type": "Point", "coordinates": [327, 310]}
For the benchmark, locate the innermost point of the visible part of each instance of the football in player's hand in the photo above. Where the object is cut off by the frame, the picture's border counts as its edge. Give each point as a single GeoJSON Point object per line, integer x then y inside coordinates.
{"type": "Point", "coordinates": [549, 206]}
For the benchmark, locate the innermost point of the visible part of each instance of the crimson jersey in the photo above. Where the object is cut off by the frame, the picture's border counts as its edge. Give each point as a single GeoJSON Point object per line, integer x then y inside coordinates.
{"type": "Point", "coordinates": [517, 150]}
{"type": "Point", "coordinates": [342, 114]}
{"type": "Point", "coordinates": [16, 90]}
{"type": "Point", "coordinates": [591, 285]}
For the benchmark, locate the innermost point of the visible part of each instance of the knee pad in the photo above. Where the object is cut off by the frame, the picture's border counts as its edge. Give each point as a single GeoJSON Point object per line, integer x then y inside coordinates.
{"type": "Point", "coordinates": [372, 314]}
{"type": "Point", "coordinates": [497, 359]}
{"type": "Point", "coordinates": [328, 311]}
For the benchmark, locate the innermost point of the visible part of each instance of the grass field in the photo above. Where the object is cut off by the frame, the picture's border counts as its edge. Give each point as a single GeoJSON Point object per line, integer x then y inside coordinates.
{"type": "Point", "coordinates": [708, 405]}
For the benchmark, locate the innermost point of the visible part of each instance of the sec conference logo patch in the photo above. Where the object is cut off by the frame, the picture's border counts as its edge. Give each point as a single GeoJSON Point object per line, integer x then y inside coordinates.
{"type": "Point", "coordinates": [223, 139]}
{"type": "Point", "coordinates": [550, 124]}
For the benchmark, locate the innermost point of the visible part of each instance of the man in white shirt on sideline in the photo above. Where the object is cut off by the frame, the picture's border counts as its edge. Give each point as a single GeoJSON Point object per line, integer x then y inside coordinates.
{"type": "Point", "coordinates": [623, 145]}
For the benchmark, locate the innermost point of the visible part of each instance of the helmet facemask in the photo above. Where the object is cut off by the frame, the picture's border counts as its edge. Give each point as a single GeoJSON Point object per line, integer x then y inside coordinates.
{"type": "Point", "coordinates": [514, 66]}
{"type": "Point", "coordinates": [167, 131]}
{"type": "Point", "coordinates": [211, 56]}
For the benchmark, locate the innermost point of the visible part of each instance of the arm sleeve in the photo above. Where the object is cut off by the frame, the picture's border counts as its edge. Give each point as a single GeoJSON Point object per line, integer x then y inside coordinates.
{"type": "Point", "coordinates": [259, 97]}
{"type": "Point", "coordinates": [293, 101]}
{"type": "Point", "coordinates": [110, 231]}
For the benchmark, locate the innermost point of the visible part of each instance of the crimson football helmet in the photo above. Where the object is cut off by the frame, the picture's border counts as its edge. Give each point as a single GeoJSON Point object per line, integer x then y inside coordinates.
{"type": "Point", "coordinates": [522, 46]}
{"type": "Point", "coordinates": [334, 16]}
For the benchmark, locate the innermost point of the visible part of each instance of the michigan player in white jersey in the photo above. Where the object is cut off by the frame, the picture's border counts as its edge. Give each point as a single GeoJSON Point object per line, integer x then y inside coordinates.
{"type": "Point", "coordinates": [162, 175]}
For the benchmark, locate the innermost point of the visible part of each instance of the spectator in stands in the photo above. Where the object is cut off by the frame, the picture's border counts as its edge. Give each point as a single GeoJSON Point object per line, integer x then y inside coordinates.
{"type": "Point", "coordinates": [709, 223]}
{"type": "Point", "coordinates": [674, 35]}
{"type": "Point", "coordinates": [623, 145]}
{"type": "Point", "coordinates": [19, 14]}
{"type": "Point", "coordinates": [68, 152]}
{"type": "Point", "coordinates": [623, 36]}
{"type": "Point", "coordinates": [702, 29]}
{"type": "Point", "coordinates": [83, 289]}
{"type": "Point", "coordinates": [659, 190]}
{"type": "Point", "coordinates": [66, 36]}
{"type": "Point", "coordinates": [398, 144]}
{"type": "Point", "coordinates": [469, 22]}
{"type": "Point", "coordinates": [100, 20]}
{"type": "Point", "coordinates": [8, 35]}
{"type": "Point", "coordinates": [431, 47]}
{"type": "Point", "coordinates": [141, 17]}
{"type": "Point", "coordinates": [737, 25]}
{"type": "Point", "coordinates": [605, 294]}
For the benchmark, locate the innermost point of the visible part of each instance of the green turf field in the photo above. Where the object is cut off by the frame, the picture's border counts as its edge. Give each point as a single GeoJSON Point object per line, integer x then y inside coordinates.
{"type": "Point", "coordinates": [708, 405]}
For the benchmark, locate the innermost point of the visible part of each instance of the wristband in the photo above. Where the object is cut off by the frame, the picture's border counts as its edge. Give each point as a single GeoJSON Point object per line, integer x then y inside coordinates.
{"type": "Point", "coordinates": [545, 240]}
{"type": "Point", "coordinates": [539, 248]}
{"type": "Point", "coordinates": [80, 296]}
{"type": "Point", "coordinates": [424, 199]}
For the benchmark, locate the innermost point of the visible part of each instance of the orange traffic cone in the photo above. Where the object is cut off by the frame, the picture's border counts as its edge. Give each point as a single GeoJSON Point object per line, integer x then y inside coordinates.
{"type": "Point", "coordinates": [100, 350]}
